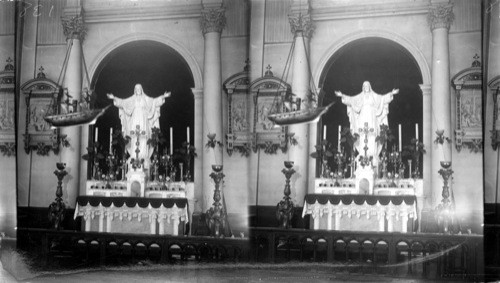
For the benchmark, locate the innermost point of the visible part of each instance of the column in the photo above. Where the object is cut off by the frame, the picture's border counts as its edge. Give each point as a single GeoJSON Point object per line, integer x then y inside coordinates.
{"type": "Point", "coordinates": [440, 18]}
{"type": "Point", "coordinates": [493, 72]}
{"type": "Point", "coordinates": [198, 144]}
{"type": "Point", "coordinates": [302, 28]}
{"type": "Point", "coordinates": [427, 136]}
{"type": "Point", "coordinates": [213, 21]}
{"type": "Point", "coordinates": [256, 56]}
{"type": "Point", "coordinates": [74, 30]}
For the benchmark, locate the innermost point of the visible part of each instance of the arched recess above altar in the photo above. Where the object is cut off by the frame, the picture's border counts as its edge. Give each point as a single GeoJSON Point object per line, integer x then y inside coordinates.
{"type": "Point", "coordinates": [249, 105]}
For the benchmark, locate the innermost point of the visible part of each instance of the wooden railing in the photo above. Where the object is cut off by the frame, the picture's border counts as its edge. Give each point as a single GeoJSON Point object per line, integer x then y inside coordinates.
{"type": "Point", "coordinates": [402, 254]}
{"type": "Point", "coordinates": [395, 254]}
{"type": "Point", "coordinates": [73, 248]}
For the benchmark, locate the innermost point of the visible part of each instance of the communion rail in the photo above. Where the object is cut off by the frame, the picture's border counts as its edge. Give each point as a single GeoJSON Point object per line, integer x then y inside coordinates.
{"type": "Point", "coordinates": [416, 255]}
{"type": "Point", "coordinates": [52, 248]}
{"type": "Point", "coordinates": [400, 254]}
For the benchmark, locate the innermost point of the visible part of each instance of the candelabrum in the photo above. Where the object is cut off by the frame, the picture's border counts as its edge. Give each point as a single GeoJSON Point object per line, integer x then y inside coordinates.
{"type": "Point", "coordinates": [419, 149]}
{"type": "Point", "coordinates": [123, 167]}
{"type": "Point", "coordinates": [284, 209]}
{"type": "Point", "coordinates": [156, 165]}
{"type": "Point", "coordinates": [395, 160]}
{"type": "Point", "coordinates": [445, 210]}
{"type": "Point", "coordinates": [339, 159]}
{"type": "Point", "coordinates": [216, 215]}
{"type": "Point", "coordinates": [57, 208]}
{"type": "Point", "coordinates": [383, 161]}
{"type": "Point", "coordinates": [352, 162]}
{"type": "Point", "coordinates": [137, 162]}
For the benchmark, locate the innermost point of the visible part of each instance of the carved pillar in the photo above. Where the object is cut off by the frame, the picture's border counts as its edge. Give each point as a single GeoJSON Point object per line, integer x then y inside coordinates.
{"type": "Point", "coordinates": [200, 148]}
{"type": "Point", "coordinates": [440, 18]}
{"type": "Point", "coordinates": [427, 136]}
{"type": "Point", "coordinates": [213, 21]}
{"type": "Point", "coordinates": [302, 28]}
{"type": "Point", "coordinates": [74, 30]}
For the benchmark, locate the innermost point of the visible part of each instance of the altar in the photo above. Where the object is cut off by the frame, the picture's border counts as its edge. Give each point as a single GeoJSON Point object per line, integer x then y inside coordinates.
{"type": "Point", "coordinates": [380, 213]}
{"type": "Point", "coordinates": [137, 215]}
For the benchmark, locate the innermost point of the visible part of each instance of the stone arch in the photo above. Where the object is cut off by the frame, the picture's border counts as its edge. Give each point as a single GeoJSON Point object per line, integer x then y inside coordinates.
{"type": "Point", "coordinates": [409, 46]}
{"type": "Point", "coordinates": [161, 38]}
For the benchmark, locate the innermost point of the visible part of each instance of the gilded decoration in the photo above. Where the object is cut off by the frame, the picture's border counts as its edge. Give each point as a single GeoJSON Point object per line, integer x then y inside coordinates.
{"type": "Point", "coordinates": [212, 20]}
{"type": "Point", "coordinates": [440, 16]}
{"type": "Point", "coordinates": [74, 27]}
{"type": "Point", "coordinates": [468, 129]}
{"type": "Point", "coordinates": [7, 108]}
{"type": "Point", "coordinates": [301, 23]}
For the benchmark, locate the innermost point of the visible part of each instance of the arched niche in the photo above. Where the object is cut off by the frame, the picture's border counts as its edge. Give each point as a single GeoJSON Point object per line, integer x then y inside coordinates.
{"type": "Point", "coordinates": [387, 64]}
{"type": "Point", "coordinates": [158, 68]}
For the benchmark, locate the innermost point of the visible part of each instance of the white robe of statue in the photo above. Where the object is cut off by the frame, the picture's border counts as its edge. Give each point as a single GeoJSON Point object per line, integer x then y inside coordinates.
{"type": "Point", "coordinates": [143, 112]}
{"type": "Point", "coordinates": [371, 109]}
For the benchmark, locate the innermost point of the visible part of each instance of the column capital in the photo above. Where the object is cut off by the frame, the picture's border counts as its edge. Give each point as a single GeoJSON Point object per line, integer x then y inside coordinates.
{"type": "Point", "coordinates": [301, 24]}
{"type": "Point", "coordinates": [213, 20]}
{"type": "Point", "coordinates": [440, 16]}
{"type": "Point", "coordinates": [74, 27]}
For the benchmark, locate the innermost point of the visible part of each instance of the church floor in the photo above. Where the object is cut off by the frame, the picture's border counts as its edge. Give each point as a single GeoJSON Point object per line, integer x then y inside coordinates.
{"type": "Point", "coordinates": [291, 272]}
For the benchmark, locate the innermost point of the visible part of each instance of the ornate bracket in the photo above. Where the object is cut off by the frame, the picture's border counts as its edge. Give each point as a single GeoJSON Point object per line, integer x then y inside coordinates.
{"type": "Point", "coordinates": [468, 130]}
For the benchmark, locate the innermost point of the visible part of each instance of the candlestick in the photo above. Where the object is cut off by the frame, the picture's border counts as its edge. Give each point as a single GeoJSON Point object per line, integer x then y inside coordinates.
{"type": "Point", "coordinates": [171, 140]}
{"type": "Point", "coordinates": [399, 134]}
{"type": "Point", "coordinates": [338, 145]}
{"type": "Point", "coordinates": [110, 139]}
{"type": "Point", "coordinates": [187, 134]}
{"type": "Point", "coordinates": [96, 133]}
{"type": "Point", "coordinates": [416, 131]}
{"type": "Point", "coordinates": [324, 132]}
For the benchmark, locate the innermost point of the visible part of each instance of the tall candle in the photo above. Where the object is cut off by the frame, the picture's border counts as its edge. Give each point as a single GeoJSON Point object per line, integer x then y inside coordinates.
{"type": "Point", "coordinates": [416, 131]}
{"type": "Point", "coordinates": [96, 133]}
{"type": "Point", "coordinates": [324, 132]}
{"type": "Point", "coordinates": [338, 146]}
{"type": "Point", "coordinates": [110, 139]}
{"type": "Point", "coordinates": [187, 131]}
{"type": "Point", "coordinates": [171, 140]}
{"type": "Point", "coordinates": [399, 134]}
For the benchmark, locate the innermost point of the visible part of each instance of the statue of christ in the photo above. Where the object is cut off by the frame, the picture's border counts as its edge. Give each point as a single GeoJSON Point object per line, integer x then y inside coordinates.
{"type": "Point", "coordinates": [367, 109]}
{"type": "Point", "coordinates": [142, 112]}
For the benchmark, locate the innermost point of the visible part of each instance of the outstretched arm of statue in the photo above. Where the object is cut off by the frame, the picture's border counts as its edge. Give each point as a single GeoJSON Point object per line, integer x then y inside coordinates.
{"type": "Point", "coordinates": [110, 96]}
{"type": "Point", "coordinates": [167, 94]}
{"type": "Point", "coordinates": [395, 91]}
{"type": "Point", "coordinates": [339, 94]}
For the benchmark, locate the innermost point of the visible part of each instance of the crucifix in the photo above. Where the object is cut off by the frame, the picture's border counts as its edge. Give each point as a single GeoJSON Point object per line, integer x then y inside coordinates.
{"type": "Point", "coordinates": [136, 162]}
{"type": "Point", "coordinates": [365, 160]}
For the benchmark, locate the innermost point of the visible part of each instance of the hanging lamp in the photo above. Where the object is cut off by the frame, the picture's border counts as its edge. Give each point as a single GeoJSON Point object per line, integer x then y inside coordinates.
{"type": "Point", "coordinates": [299, 116]}
{"type": "Point", "coordinates": [86, 115]}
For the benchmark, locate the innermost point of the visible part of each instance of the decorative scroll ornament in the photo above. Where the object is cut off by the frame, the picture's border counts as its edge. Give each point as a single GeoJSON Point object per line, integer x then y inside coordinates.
{"type": "Point", "coordinates": [440, 16]}
{"type": "Point", "coordinates": [74, 27]}
{"type": "Point", "coordinates": [212, 20]}
{"type": "Point", "coordinates": [301, 23]}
